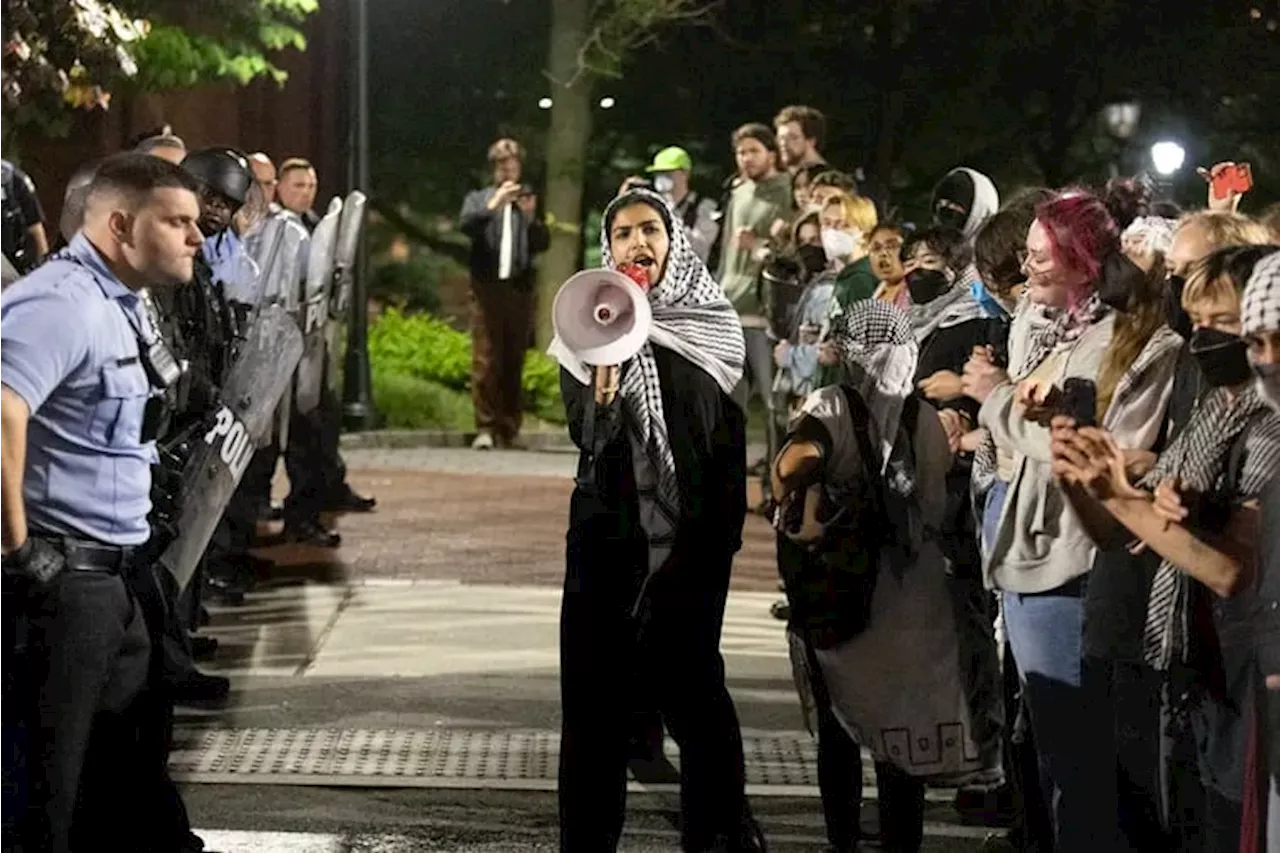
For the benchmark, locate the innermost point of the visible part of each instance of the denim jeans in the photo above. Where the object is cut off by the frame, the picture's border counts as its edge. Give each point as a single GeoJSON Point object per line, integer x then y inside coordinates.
{"type": "Point", "coordinates": [991, 513]}
{"type": "Point", "coordinates": [1045, 634]}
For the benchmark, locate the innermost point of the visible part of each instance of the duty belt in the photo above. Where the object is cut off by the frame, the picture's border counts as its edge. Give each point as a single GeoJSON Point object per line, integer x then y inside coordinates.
{"type": "Point", "coordinates": [86, 555]}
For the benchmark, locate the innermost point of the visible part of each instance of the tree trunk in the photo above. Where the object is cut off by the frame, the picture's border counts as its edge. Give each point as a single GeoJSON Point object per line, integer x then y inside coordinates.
{"type": "Point", "coordinates": [566, 155]}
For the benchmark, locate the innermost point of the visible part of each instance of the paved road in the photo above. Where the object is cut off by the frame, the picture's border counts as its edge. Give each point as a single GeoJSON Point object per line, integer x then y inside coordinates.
{"type": "Point", "coordinates": [437, 618]}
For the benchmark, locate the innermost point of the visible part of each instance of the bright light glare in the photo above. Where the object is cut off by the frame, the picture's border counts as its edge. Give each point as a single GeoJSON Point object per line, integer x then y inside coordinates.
{"type": "Point", "coordinates": [1167, 157]}
{"type": "Point", "coordinates": [544, 104]}
{"type": "Point", "coordinates": [607, 103]}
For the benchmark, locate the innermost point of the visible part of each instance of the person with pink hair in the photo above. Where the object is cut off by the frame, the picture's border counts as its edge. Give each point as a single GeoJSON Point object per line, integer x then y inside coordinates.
{"type": "Point", "coordinates": [1038, 552]}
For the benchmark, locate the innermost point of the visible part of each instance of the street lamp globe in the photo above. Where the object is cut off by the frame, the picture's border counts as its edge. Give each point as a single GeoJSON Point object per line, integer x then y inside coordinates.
{"type": "Point", "coordinates": [1167, 157]}
{"type": "Point", "coordinates": [1121, 118]}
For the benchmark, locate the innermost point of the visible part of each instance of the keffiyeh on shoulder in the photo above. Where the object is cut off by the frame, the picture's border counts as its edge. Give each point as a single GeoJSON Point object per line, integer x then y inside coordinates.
{"type": "Point", "coordinates": [692, 318]}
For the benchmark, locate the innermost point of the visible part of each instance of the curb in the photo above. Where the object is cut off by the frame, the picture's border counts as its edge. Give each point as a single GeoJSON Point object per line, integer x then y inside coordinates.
{"type": "Point", "coordinates": [400, 439]}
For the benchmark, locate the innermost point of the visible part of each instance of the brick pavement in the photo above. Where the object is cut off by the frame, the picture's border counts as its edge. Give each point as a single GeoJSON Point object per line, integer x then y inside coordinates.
{"type": "Point", "coordinates": [473, 527]}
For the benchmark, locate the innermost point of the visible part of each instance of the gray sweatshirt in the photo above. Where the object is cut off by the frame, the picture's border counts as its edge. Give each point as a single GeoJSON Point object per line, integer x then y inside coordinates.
{"type": "Point", "coordinates": [1040, 543]}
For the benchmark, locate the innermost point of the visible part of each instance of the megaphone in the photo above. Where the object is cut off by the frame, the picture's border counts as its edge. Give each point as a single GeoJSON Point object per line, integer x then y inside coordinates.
{"type": "Point", "coordinates": [602, 316]}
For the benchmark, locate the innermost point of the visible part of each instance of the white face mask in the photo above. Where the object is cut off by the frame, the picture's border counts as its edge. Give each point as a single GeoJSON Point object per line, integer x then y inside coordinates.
{"type": "Point", "coordinates": [838, 244]}
{"type": "Point", "coordinates": [664, 184]}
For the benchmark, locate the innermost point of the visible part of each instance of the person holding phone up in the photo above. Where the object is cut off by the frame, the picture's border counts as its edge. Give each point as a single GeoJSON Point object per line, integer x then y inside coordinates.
{"type": "Point", "coordinates": [1039, 555]}
{"type": "Point", "coordinates": [1197, 509]}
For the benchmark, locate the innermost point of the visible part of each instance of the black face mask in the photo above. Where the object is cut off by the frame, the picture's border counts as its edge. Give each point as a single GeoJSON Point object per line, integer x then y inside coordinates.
{"type": "Point", "coordinates": [812, 258]}
{"type": "Point", "coordinates": [1222, 356]}
{"type": "Point", "coordinates": [1173, 313]}
{"type": "Point", "coordinates": [950, 218]}
{"type": "Point", "coordinates": [926, 285]}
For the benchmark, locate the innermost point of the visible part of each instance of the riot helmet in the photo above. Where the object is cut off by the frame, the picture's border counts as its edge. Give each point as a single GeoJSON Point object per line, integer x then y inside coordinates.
{"type": "Point", "coordinates": [223, 169]}
{"type": "Point", "coordinates": [225, 178]}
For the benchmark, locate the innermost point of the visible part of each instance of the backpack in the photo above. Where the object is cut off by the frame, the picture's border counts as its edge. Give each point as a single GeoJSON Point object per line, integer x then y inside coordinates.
{"type": "Point", "coordinates": [830, 583]}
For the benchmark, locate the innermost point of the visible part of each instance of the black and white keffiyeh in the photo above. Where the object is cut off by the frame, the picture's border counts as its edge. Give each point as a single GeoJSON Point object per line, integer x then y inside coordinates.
{"type": "Point", "coordinates": [952, 308]}
{"type": "Point", "coordinates": [1066, 328]}
{"type": "Point", "coordinates": [692, 318]}
{"type": "Point", "coordinates": [880, 352]}
{"type": "Point", "coordinates": [1260, 306]}
{"type": "Point", "coordinates": [1199, 458]}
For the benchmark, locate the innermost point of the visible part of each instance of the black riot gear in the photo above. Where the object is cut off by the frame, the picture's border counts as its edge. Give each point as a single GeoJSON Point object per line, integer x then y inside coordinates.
{"type": "Point", "coordinates": [223, 169]}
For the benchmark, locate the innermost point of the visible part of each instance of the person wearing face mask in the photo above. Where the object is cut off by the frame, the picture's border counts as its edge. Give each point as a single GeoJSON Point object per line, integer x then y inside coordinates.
{"type": "Point", "coordinates": [1261, 326]}
{"type": "Point", "coordinates": [797, 356]}
{"type": "Point", "coordinates": [670, 170]}
{"type": "Point", "coordinates": [1197, 509]}
{"type": "Point", "coordinates": [661, 466]}
{"type": "Point", "coordinates": [1038, 555]}
{"type": "Point", "coordinates": [1196, 236]}
{"type": "Point", "coordinates": [963, 200]}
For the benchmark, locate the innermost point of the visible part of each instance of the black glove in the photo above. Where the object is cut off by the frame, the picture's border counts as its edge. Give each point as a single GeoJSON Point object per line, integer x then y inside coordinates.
{"type": "Point", "coordinates": [36, 561]}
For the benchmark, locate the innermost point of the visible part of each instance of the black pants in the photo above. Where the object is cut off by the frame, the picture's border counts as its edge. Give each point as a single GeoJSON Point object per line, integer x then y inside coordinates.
{"type": "Point", "coordinates": [168, 828]}
{"type": "Point", "coordinates": [82, 668]}
{"type": "Point", "coordinates": [1127, 697]}
{"type": "Point", "coordinates": [316, 470]}
{"type": "Point", "coordinates": [901, 796]}
{"type": "Point", "coordinates": [1032, 824]}
{"type": "Point", "coordinates": [673, 658]}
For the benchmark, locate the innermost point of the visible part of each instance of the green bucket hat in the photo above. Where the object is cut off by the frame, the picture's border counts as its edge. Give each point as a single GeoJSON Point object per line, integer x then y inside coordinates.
{"type": "Point", "coordinates": [671, 159]}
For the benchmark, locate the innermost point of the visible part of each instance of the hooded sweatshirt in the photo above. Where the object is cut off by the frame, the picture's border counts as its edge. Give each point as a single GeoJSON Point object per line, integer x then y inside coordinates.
{"type": "Point", "coordinates": [971, 190]}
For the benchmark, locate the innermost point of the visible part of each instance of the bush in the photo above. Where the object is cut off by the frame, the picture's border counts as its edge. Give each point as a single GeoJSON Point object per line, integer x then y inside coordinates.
{"type": "Point", "coordinates": [405, 402]}
{"type": "Point", "coordinates": [413, 284]}
{"type": "Point", "coordinates": [421, 347]}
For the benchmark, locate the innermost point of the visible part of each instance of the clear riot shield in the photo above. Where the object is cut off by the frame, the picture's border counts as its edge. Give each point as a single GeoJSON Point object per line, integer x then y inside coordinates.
{"type": "Point", "coordinates": [350, 227]}
{"type": "Point", "coordinates": [254, 385]}
{"type": "Point", "coordinates": [313, 310]}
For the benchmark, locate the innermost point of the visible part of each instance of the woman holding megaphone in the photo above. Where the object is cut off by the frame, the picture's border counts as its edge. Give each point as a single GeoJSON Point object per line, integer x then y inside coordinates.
{"type": "Point", "coordinates": [654, 522]}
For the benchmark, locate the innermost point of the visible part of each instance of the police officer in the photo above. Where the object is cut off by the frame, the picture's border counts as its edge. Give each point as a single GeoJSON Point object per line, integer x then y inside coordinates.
{"type": "Point", "coordinates": [226, 285]}
{"type": "Point", "coordinates": [81, 368]}
{"type": "Point", "coordinates": [25, 241]}
{"type": "Point", "coordinates": [317, 472]}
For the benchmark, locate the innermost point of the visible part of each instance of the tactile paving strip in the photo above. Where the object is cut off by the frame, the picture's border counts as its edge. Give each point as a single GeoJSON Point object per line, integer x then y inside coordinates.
{"type": "Point", "coordinates": [434, 758]}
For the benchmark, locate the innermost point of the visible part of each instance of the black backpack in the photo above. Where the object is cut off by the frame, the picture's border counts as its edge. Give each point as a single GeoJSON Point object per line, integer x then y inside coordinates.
{"type": "Point", "coordinates": [830, 583]}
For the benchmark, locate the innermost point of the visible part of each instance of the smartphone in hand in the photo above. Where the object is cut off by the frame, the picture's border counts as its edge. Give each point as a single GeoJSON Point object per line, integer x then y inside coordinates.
{"type": "Point", "coordinates": [1079, 401]}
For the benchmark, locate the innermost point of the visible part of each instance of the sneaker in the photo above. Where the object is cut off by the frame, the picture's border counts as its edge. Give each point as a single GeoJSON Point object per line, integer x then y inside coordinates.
{"type": "Point", "coordinates": [780, 610]}
{"type": "Point", "coordinates": [484, 441]}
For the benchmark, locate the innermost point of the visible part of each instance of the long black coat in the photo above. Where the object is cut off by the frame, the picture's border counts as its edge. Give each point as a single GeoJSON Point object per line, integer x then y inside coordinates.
{"type": "Point", "coordinates": [666, 657]}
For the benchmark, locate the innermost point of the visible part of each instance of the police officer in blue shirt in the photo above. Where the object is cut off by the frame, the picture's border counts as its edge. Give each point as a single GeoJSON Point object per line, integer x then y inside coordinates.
{"type": "Point", "coordinates": [80, 369]}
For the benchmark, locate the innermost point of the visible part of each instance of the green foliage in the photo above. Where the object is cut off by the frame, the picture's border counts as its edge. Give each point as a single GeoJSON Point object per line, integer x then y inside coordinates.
{"type": "Point", "coordinates": [406, 402]}
{"type": "Point", "coordinates": [412, 285]}
{"type": "Point", "coordinates": [423, 348]}
{"type": "Point", "coordinates": [540, 380]}
{"type": "Point", "coordinates": [66, 54]}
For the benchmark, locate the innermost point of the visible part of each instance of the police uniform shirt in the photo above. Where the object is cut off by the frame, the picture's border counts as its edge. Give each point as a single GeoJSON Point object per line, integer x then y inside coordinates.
{"type": "Point", "coordinates": [229, 260]}
{"type": "Point", "coordinates": [69, 348]}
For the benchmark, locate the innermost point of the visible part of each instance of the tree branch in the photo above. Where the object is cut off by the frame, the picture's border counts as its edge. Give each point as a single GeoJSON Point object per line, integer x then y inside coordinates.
{"type": "Point", "coordinates": [622, 26]}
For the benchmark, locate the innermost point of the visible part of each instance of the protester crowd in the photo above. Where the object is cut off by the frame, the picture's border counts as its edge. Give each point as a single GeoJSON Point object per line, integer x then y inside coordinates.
{"type": "Point", "coordinates": [1021, 462]}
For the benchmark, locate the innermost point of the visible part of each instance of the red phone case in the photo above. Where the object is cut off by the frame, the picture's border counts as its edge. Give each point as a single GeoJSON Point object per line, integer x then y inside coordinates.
{"type": "Point", "coordinates": [1237, 179]}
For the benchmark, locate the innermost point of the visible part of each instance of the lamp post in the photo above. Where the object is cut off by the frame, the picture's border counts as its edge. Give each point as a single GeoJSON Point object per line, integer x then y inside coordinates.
{"type": "Point", "coordinates": [358, 413]}
{"type": "Point", "coordinates": [1121, 121]}
{"type": "Point", "coordinates": [1167, 156]}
